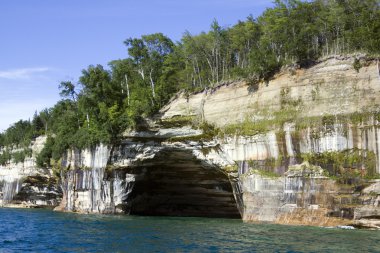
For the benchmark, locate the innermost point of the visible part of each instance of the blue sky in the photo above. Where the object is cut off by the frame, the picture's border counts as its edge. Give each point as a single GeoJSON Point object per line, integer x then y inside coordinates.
{"type": "Point", "coordinates": [44, 42]}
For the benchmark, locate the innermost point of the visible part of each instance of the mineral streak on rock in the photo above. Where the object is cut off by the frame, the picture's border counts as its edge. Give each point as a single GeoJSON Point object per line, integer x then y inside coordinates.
{"type": "Point", "coordinates": [270, 156]}
{"type": "Point", "coordinates": [25, 185]}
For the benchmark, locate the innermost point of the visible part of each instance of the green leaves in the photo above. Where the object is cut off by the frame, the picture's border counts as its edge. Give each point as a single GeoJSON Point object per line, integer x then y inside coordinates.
{"type": "Point", "coordinates": [67, 90]}
{"type": "Point", "coordinates": [18, 134]}
{"type": "Point", "coordinates": [106, 102]}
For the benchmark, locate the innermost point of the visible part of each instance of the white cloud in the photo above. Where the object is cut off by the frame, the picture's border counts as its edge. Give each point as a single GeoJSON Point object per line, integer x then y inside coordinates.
{"type": "Point", "coordinates": [22, 73]}
{"type": "Point", "coordinates": [25, 90]}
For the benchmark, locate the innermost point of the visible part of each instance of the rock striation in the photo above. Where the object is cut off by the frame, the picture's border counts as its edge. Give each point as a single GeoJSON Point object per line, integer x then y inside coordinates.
{"type": "Point", "coordinates": [23, 184]}
{"type": "Point", "coordinates": [147, 178]}
{"type": "Point", "coordinates": [302, 148]}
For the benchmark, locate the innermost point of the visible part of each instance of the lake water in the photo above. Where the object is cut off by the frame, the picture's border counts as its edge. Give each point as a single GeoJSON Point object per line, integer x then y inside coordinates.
{"type": "Point", "coordinates": [27, 230]}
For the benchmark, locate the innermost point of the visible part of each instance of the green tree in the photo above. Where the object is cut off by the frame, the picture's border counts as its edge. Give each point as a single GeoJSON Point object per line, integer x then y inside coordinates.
{"type": "Point", "coordinates": [148, 54]}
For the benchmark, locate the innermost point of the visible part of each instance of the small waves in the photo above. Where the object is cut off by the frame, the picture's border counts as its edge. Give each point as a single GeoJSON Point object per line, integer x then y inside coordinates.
{"type": "Point", "coordinates": [46, 231]}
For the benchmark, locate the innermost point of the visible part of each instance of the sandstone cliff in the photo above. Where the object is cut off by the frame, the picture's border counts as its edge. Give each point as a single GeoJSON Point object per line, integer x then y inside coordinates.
{"type": "Point", "coordinates": [327, 114]}
{"type": "Point", "coordinates": [23, 184]}
{"type": "Point", "coordinates": [302, 148]}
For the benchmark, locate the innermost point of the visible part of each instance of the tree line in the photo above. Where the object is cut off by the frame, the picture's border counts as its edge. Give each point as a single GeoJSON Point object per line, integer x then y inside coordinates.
{"type": "Point", "coordinates": [104, 102]}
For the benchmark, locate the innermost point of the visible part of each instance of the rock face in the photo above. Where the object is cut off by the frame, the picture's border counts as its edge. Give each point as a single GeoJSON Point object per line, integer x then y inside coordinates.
{"type": "Point", "coordinates": [176, 169]}
{"type": "Point", "coordinates": [269, 155]}
{"type": "Point", "coordinates": [328, 91]}
{"type": "Point", "coordinates": [297, 198]}
{"type": "Point", "coordinates": [25, 185]}
{"type": "Point", "coordinates": [38, 190]}
{"type": "Point", "coordinates": [330, 87]}
{"type": "Point", "coordinates": [147, 178]}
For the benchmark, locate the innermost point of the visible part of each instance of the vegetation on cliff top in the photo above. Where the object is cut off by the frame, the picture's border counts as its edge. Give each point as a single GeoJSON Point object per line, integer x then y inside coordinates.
{"type": "Point", "coordinates": [105, 102]}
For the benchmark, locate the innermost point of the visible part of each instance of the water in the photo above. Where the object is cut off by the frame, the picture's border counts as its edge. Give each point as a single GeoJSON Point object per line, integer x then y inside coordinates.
{"type": "Point", "coordinates": [23, 230]}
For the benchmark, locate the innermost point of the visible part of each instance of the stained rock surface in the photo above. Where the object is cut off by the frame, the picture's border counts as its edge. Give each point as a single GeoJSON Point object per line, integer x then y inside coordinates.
{"type": "Point", "coordinates": [273, 170]}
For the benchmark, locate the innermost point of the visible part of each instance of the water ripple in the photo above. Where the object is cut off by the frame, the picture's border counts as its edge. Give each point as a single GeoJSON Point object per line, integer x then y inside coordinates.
{"type": "Point", "coordinates": [46, 231]}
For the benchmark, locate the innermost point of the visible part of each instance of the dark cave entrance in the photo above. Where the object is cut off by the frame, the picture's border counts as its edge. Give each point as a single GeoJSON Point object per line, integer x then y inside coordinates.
{"type": "Point", "coordinates": [175, 183]}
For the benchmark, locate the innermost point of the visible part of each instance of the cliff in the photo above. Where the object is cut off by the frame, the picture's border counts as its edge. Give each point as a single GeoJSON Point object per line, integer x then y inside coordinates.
{"type": "Point", "coordinates": [23, 184]}
{"type": "Point", "coordinates": [331, 87]}
{"type": "Point", "coordinates": [302, 148]}
{"type": "Point", "coordinates": [327, 115]}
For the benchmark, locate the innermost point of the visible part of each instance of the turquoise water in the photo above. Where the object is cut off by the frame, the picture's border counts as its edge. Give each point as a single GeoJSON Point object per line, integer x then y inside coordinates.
{"type": "Point", "coordinates": [25, 230]}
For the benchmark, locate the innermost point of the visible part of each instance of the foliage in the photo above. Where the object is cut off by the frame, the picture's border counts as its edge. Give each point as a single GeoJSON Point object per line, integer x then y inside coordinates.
{"type": "Point", "coordinates": [231, 168]}
{"type": "Point", "coordinates": [5, 157]}
{"type": "Point", "coordinates": [257, 125]}
{"type": "Point", "coordinates": [43, 158]}
{"type": "Point", "coordinates": [19, 134]}
{"type": "Point", "coordinates": [209, 132]}
{"type": "Point", "coordinates": [265, 167]}
{"type": "Point", "coordinates": [345, 164]}
{"type": "Point", "coordinates": [19, 156]}
{"type": "Point", "coordinates": [357, 65]}
{"type": "Point", "coordinates": [178, 121]}
{"type": "Point", "coordinates": [265, 173]}
{"type": "Point", "coordinates": [104, 102]}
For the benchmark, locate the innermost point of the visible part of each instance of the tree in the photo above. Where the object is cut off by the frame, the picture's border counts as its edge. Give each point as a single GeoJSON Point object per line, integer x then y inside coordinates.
{"type": "Point", "coordinates": [45, 118]}
{"type": "Point", "coordinates": [244, 37]}
{"type": "Point", "coordinates": [37, 124]}
{"type": "Point", "coordinates": [105, 102]}
{"type": "Point", "coordinates": [148, 54]}
{"type": "Point", "coordinates": [123, 73]}
{"type": "Point", "coordinates": [68, 90]}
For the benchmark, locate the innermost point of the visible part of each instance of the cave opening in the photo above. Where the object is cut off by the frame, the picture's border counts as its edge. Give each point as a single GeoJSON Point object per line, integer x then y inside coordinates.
{"type": "Point", "coordinates": [175, 183]}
